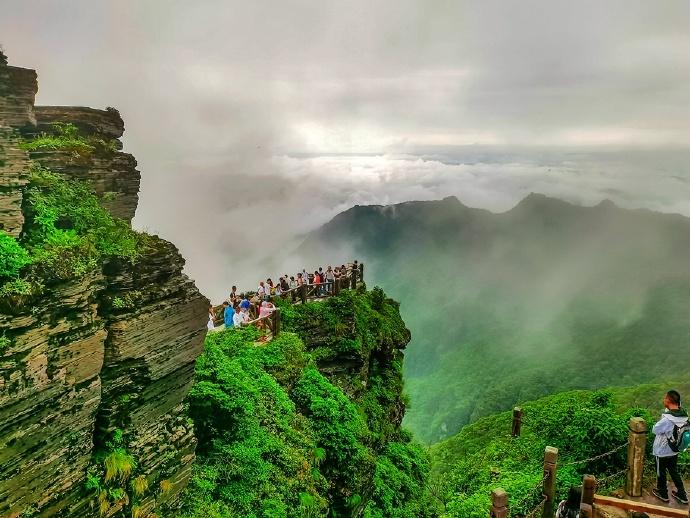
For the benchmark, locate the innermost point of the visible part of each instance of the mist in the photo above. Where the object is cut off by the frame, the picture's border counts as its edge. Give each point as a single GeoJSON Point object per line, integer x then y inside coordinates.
{"type": "Point", "coordinates": [254, 124]}
{"type": "Point", "coordinates": [507, 307]}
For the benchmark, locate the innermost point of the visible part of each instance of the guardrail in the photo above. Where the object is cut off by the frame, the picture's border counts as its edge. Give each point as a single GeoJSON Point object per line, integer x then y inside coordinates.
{"type": "Point", "coordinates": [636, 445]}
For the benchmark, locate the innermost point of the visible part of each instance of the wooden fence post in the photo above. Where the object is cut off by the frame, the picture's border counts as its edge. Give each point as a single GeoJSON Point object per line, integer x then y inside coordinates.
{"type": "Point", "coordinates": [517, 421]}
{"type": "Point", "coordinates": [550, 463]}
{"type": "Point", "coordinates": [586, 511]}
{"type": "Point", "coordinates": [637, 442]}
{"type": "Point", "coordinates": [361, 272]}
{"type": "Point", "coordinates": [276, 322]}
{"type": "Point", "coordinates": [589, 487]}
{"type": "Point", "coordinates": [303, 293]}
{"type": "Point", "coordinates": [499, 503]}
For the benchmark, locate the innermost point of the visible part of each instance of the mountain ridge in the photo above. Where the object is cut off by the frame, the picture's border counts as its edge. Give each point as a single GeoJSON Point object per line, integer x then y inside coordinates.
{"type": "Point", "coordinates": [503, 294]}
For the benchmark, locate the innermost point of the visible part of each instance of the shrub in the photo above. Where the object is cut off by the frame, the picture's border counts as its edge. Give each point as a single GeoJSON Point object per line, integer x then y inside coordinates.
{"type": "Point", "coordinates": [4, 343]}
{"type": "Point", "coordinates": [66, 137]}
{"type": "Point", "coordinates": [68, 232]}
{"type": "Point", "coordinates": [13, 257]}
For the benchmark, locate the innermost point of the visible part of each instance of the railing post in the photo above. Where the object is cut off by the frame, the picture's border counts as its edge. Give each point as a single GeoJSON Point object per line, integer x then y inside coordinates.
{"type": "Point", "coordinates": [276, 322]}
{"type": "Point", "coordinates": [637, 442]}
{"type": "Point", "coordinates": [303, 293]}
{"type": "Point", "coordinates": [336, 286]}
{"type": "Point", "coordinates": [354, 278]}
{"type": "Point", "coordinates": [517, 422]}
{"type": "Point", "coordinates": [589, 487]}
{"type": "Point", "coordinates": [586, 511]}
{"type": "Point", "coordinates": [499, 503]}
{"type": "Point", "coordinates": [550, 463]}
{"type": "Point", "coordinates": [361, 272]}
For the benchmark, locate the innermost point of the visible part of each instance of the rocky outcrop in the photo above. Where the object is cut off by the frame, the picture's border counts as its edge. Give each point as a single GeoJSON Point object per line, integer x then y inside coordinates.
{"type": "Point", "coordinates": [104, 123]}
{"type": "Point", "coordinates": [113, 350]}
{"type": "Point", "coordinates": [17, 93]}
{"type": "Point", "coordinates": [18, 87]}
{"type": "Point", "coordinates": [14, 175]}
{"type": "Point", "coordinates": [111, 173]}
{"type": "Point", "coordinates": [153, 342]}
{"type": "Point", "coordinates": [50, 391]}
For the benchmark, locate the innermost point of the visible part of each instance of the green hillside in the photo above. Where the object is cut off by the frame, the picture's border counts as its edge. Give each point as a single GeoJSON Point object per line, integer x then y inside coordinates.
{"type": "Point", "coordinates": [308, 424]}
{"type": "Point", "coordinates": [581, 424]}
{"type": "Point", "coordinates": [510, 307]}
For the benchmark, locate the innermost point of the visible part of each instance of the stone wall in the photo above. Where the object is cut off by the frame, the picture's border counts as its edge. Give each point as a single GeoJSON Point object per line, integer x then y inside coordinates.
{"type": "Point", "coordinates": [80, 362]}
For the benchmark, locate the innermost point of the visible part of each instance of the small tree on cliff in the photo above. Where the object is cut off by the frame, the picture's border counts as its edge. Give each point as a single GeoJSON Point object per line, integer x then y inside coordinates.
{"type": "Point", "coordinates": [3, 57]}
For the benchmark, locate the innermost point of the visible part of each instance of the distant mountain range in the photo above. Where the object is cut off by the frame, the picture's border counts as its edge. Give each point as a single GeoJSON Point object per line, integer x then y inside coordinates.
{"type": "Point", "coordinates": [512, 306]}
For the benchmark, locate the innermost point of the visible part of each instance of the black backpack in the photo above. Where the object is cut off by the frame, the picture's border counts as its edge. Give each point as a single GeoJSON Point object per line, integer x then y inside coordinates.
{"type": "Point", "coordinates": [680, 438]}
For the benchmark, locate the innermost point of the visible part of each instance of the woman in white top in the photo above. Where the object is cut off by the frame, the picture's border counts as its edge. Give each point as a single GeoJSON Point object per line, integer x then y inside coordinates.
{"type": "Point", "coordinates": [211, 317]}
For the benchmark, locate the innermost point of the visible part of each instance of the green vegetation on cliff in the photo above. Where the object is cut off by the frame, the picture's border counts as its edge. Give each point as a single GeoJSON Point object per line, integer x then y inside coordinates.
{"type": "Point", "coordinates": [581, 424]}
{"type": "Point", "coordinates": [67, 233]}
{"type": "Point", "coordinates": [66, 137]}
{"type": "Point", "coordinates": [284, 432]}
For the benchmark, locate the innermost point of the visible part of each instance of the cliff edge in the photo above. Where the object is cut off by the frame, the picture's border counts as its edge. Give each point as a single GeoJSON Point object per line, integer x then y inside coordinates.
{"type": "Point", "coordinates": [99, 326]}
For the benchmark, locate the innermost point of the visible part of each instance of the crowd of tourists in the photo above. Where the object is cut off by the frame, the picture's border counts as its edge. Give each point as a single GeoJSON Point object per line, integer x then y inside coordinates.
{"type": "Point", "coordinates": [242, 308]}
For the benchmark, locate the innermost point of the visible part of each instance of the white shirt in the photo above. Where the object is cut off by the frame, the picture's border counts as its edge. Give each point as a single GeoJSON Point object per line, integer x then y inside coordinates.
{"type": "Point", "coordinates": [237, 319]}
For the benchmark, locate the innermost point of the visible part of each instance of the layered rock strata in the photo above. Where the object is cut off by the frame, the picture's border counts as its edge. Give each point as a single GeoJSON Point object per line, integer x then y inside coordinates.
{"type": "Point", "coordinates": [114, 349]}
{"type": "Point", "coordinates": [111, 173]}
{"type": "Point", "coordinates": [18, 88]}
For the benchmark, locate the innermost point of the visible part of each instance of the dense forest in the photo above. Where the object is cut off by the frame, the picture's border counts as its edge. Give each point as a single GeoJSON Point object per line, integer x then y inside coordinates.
{"type": "Point", "coordinates": [509, 307]}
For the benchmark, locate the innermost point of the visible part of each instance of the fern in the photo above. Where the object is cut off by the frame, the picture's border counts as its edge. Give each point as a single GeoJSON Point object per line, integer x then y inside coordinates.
{"type": "Point", "coordinates": [140, 485]}
{"type": "Point", "coordinates": [118, 465]}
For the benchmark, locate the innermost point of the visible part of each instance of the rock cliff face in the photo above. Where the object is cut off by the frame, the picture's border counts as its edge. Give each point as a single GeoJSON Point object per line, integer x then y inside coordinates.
{"type": "Point", "coordinates": [112, 174]}
{"type": "Point", "coordinates": [17, 93]}
{"type": "Point", "coordinates": [113, 350]}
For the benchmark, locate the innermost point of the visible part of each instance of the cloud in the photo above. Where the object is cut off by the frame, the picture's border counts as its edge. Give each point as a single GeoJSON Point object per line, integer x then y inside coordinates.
{"type": "Point", "coordinates": [236, 110]}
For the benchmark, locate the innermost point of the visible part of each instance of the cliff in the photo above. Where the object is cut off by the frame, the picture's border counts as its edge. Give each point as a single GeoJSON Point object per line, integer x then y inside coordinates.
{"type": "Point", "coordinates": [99, 327]}
{"type": "Point", "coordinates": [309, 423]}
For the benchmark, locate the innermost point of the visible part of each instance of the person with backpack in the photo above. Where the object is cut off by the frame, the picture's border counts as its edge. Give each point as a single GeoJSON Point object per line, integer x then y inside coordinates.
{"type": "Point", "coordinates": [671, 438]}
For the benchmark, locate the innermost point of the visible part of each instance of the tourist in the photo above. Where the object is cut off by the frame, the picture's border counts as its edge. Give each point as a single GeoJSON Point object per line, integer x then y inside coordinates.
{"type": "Point", "coordinates": [261, 291]}
{"type": "Point", "coordinates": [228, 313]}
{"type": "Point", "coordinates": [292, 286]}
{"type": "Point", "coordinates": [270, 288]}
{"type": "Point", "coordinates": [317, 282]}
{"type": "Point", "coordinates": [233, 294]}
{"type": "Point", "coordinates": [284, 285]}
{"type": "Point", "coordinates": [278, 290]}
{"type": "Point", "coordinates": [570, 508]}
{"type": "Point", "coordinates": [244, 302]}
{"type": "Point", "coordinates": [330, 280]}
{"type": "Point", "coordinates": [667, 459]}
{"type": "Point", "coordinates": [237, 318]}
{"type": "Point", "coordinates": [211, 317]}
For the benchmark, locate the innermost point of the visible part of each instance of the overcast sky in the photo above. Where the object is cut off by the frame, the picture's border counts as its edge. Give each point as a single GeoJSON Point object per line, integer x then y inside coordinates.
{"type": "Point", "coordinates": [254, 122]}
